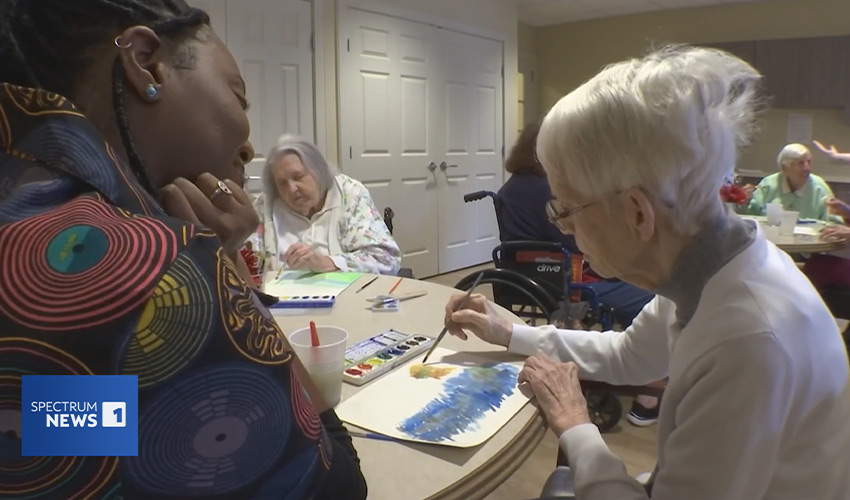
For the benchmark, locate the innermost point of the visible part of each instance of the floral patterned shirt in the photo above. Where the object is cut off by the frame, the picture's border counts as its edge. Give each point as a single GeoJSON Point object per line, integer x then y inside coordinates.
{"type": "Point", "coordinates": [357, 237]}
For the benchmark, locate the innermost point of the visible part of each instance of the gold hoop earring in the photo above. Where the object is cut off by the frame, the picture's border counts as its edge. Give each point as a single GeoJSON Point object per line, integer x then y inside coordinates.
{"type": "Point", "coordinates": [118, 43]}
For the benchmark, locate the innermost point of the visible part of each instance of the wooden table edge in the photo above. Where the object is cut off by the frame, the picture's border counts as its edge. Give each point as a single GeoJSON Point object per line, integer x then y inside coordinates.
{"type": "Point", "coordinates": [813, 247]}
{"type": "Point", "coordinates": [492, 473]}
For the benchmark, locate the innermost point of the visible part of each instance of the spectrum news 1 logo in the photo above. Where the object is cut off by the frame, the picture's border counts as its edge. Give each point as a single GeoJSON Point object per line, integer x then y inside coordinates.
{"type": "Point", "coordinates": [79, 415]}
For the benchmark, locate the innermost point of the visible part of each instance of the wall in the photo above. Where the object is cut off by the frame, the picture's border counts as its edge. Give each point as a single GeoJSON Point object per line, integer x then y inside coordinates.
{"type": "Point", "coordinates": [494, 17]}
{"type": "Point", "coordinates": [526, 38]}
{"type": "Point", "coordinates": [569, 54]}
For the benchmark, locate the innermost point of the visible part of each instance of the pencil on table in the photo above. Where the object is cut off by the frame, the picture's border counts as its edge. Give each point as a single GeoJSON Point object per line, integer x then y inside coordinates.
{"type": "Point", "coordinates": [395, 285]}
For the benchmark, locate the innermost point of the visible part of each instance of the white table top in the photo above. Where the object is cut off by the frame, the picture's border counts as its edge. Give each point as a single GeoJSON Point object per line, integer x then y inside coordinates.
{"type": "Point", "coordinates": [805, 239]}
{"type": "Point", "coordinates": [412, 471]}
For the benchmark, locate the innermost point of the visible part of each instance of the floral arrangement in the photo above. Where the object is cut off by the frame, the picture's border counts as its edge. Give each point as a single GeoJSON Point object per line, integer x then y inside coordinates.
{"type": "Point", "coordinates": [732, 193]}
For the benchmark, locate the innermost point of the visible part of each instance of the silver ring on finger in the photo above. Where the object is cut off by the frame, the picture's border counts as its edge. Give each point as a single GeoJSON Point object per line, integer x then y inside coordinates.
{"type": "Point", "coordinates": [220, 190]}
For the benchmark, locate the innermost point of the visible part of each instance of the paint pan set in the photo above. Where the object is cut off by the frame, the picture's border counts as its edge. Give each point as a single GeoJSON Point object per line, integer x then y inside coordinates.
{"type": "Point", "coordinates": [371, 358]}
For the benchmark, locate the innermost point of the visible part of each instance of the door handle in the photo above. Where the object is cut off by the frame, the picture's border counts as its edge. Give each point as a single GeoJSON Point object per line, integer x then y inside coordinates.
{"type": "Point", "coordinates": [432, 166]}
{"type": "Point", "coordinates": [445, 166]}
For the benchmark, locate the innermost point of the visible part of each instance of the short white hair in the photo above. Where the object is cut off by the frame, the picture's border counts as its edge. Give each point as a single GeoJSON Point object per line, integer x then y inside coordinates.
{"type": "Point", "coordinates": [311, 158]}
{"type": "Point", "coordinates": [791, 153]}
{"type": "Point", "coordinates": [669, 123]}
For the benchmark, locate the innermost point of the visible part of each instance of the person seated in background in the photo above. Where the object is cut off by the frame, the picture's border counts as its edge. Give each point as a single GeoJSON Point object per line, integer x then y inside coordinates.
{"type": "Point", "coordinates": [832, 152]}
{"type": "Point", "coordinates": [316, 221]}
{"type": "Point", "coordinates": [523, 218]}
{"type": "Point", "coordinates": [795, 187]}
{"type": "Point", "coordinates": [124, 139]}
{"type": "Point", "coordinates": [758, 400]}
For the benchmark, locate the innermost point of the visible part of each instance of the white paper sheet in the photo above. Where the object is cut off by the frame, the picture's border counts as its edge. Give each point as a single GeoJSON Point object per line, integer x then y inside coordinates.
{"type": "Point", "coordinates": [461, 400]}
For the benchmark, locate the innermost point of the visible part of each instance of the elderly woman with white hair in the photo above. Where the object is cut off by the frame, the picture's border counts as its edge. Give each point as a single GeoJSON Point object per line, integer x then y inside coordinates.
{"type": "Point", "coordinates": [758, 400]}
{"type": "Point", "coordinates": [795, 187]}
{"type": "Point", "coordinates": [313, 220]}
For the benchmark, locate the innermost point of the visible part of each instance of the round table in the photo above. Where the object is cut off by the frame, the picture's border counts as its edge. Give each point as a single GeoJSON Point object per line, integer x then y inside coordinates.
{"type": "Point", "coordinates": [396, 470]}
{"type": "Point", "coordinates": [804, 240]}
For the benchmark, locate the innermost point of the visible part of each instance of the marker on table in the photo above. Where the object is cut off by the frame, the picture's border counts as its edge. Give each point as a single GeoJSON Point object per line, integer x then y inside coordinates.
{"type": "Point", "coordinates": [367, 284]}
{"type": "Point", "coordinates": [397, 283]}
{"type": "Point", "coordinates": [314, 334]}
{"type": "Point", "coordinates": [459, 307]}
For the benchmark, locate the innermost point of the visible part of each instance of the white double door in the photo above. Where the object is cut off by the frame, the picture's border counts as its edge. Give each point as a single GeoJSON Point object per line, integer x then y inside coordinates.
{"type": "Point", "coordinates": [421, 124]}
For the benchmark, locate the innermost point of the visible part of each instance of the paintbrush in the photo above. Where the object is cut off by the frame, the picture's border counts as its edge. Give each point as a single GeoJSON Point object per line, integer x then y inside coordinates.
{"type": "Point", "coordinates": [461, 306]}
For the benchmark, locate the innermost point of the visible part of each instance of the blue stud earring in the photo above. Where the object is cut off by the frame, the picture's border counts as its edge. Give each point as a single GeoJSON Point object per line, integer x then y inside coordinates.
{"type": "Point", "coordinates": [151, 91]}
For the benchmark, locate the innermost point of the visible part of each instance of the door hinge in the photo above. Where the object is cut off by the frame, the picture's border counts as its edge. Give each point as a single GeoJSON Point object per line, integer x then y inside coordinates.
{"type": "Point", "coordinates": [503, 71]}
{"type": "Point", "coordinates": [350, 153]}
{"type": "Point", "coordinates": [348, 44]}
{"type": "Point", "coordinates": [312, 41]}
{"type": "Point", "coordinates": [503, 151]}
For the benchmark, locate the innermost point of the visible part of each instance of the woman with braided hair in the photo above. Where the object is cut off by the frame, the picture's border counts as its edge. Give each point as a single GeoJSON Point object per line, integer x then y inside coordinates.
{"type": "Point", "coordinates": [123, 140]}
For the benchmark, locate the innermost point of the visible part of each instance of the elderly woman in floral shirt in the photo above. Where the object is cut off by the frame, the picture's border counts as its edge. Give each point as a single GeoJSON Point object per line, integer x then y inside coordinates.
{"type": "Point", "coordinates": [314, 220]}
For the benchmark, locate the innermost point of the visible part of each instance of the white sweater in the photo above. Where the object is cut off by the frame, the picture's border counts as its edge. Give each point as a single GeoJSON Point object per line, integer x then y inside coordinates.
{"type": "Point", "coordinates": [758, 400]}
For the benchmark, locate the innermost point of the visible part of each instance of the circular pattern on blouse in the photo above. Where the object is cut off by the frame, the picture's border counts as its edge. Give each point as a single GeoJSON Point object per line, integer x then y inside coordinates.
{"type": "Point", "coordinates": [41, 478]}
{"type": "Point", "coordinates": [81, 266]}
{"type": "Point", "coordinates": [211, 433]}
{"type": "Point", "coordinates": [76, 249]}
{"type": "Point", "coordinates": [173, 328]}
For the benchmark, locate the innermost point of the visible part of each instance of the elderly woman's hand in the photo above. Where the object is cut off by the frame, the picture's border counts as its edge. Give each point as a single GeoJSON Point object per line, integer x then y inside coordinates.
{"type": "Point", "coordinates": [557, 391]}
{"type": "Point", "coordinates": [229, 214]}
{"type": "Point", "coordinates": [479, 317]}
{"type": "Point", "coordinates": [835, 233]}
{"type": "Point", "coordinates": [301, 256]}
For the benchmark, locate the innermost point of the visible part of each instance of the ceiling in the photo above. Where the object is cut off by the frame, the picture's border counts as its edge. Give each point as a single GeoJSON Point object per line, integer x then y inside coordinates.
{"type": "Point", "coordinates": [547, 12]}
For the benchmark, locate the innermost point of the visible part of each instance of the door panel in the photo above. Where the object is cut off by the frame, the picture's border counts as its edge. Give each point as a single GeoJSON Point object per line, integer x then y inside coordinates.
{"type": "Point", "coordinates": [473, 84]}
{"type": "Point", "coordinates": [385, 95]}
{"type": "Point", "coordinates": [413, 96]}
{"type": "Point", "coordinates": [272, 43]}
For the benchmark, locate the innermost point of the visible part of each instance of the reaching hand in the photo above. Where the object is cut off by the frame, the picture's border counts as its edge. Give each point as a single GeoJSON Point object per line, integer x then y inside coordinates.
{"type": "Point", "coordinates": [830, 151]}
{"type": "Point", "coordinates": [837, 207]}
{"type": "Point", "coordinates": [748, 189]}
{"type": "Point", "coordinates": [301, 256]}
{"type": "Point", "coordinates": [557, 390]}
{"type": "Point", "coordinates": [835, 233]}
{"type": "Point", "coordinates": [478, 317]}
{"type": "Point", "coordinates": [221, 206]}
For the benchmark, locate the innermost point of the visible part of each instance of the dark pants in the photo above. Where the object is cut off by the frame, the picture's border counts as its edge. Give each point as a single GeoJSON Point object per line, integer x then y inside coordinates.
{"type": "Point", "coordinates": [627, 300]}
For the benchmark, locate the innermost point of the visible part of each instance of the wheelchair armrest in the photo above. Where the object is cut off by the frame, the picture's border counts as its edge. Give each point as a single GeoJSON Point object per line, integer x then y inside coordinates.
{"type": "Point", "coordinates": [559, 485]}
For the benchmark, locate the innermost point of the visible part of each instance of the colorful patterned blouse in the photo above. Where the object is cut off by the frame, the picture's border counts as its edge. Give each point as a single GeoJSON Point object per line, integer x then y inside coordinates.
{"type": "Point", "coordinates": [96, 279]}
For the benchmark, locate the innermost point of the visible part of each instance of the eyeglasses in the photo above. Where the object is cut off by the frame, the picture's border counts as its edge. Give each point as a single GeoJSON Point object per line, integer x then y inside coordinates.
{"type": "Point", "coordinates": [558, 216]}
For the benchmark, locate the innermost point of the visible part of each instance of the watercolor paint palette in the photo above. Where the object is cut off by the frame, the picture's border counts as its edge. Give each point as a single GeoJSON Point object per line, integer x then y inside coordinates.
{"type": "Point", "coordinates": [371, 358]}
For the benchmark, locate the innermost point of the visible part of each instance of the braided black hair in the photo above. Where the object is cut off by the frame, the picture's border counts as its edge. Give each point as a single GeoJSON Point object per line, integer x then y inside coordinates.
{"type": "Point", "coordinates": [48, 44]}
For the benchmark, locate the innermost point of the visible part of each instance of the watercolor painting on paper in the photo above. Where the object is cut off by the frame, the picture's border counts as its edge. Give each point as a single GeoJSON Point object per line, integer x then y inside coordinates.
{"type": "Point", "coordinates": [448, 403]}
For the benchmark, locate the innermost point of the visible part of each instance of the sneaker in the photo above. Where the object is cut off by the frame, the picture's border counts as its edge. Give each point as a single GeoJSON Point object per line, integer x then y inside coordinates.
{"type": "Point", "coordinates": [642, 416]}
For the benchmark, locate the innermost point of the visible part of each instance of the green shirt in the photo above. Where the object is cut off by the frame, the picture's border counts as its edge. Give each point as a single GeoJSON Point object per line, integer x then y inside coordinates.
{"type": "Point", "coordinates": [808, 200]}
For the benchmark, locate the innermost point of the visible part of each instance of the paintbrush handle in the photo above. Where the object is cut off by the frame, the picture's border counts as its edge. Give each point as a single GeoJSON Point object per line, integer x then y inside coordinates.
{"type": "Point", "coordinates": [459, 307]}
{"type": "Point", "coordinates": [409, 295]}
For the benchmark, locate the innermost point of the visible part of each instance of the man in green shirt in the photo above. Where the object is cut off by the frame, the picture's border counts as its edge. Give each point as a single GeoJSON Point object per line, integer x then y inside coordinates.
{"type": "Point", "coordinates": [795, 187]}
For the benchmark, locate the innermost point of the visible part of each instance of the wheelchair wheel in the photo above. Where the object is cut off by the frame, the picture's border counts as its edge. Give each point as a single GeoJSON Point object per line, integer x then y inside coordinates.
{"type": "Point", "coordinates": [604, 408]}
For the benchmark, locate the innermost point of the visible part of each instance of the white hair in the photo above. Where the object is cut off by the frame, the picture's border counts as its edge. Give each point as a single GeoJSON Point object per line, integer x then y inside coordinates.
{"type": "Point", "coordinates": [790, 153]}
{"type": "Point", "coordinates": [311, 158]}
{"type": "Point", "coordinates": [669, 123]}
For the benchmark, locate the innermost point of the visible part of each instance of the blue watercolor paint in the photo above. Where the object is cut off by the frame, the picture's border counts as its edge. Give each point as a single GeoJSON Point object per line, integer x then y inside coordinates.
{"type": "Point", "coordinates": [465, 399]}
